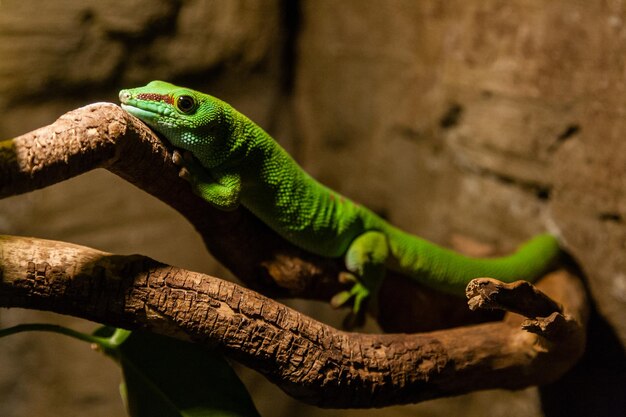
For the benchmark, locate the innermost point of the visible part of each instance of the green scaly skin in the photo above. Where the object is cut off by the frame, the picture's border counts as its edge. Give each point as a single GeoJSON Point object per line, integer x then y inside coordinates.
{"type": "Point", "coordinates": [239, 163]}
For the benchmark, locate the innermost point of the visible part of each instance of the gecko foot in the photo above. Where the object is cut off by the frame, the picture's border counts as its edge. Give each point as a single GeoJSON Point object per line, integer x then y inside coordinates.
{"type": "Point", "coordinates": [184, 161]}
{"type": "Point", "coordinates": [177, 158]}
{"type": "Point", "coordinates": [358, 295]}
{"type": "Point", "coordinates": [190, 169]}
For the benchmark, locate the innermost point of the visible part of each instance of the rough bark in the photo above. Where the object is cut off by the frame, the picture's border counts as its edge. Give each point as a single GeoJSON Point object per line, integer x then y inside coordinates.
{"type": "Point", "coordinates": [309, 360]}
{"type": "Point", "coordinates": [103, 135]}
{"type": "Point", "coordinates": [496, 119]}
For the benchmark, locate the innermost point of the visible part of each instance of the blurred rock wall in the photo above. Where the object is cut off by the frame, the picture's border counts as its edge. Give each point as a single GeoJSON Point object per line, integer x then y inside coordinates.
{"type": "Point", "coordinates": [489, 119]}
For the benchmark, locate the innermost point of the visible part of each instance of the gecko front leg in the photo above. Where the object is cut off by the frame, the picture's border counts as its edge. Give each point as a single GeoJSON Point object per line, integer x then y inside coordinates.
{"type": "Point", "coordinates": [222, 190]}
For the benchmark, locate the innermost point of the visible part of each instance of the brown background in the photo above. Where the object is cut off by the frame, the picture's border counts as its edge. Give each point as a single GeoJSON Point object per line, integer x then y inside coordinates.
{"type": "Point", "coordinates": [489, 119]}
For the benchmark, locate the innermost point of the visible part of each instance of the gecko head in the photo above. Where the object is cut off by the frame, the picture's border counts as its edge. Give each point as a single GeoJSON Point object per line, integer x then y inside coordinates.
{"type": "Point", "coordinates": [187, 118]}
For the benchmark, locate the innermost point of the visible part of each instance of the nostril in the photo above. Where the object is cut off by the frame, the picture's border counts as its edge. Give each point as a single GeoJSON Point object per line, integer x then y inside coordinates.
{"type": "Point", "coordinates": [124, 96]}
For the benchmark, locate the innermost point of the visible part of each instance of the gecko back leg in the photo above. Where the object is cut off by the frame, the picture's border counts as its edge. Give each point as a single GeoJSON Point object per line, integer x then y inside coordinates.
{"type": "Point", "coordinates": [365, 260]}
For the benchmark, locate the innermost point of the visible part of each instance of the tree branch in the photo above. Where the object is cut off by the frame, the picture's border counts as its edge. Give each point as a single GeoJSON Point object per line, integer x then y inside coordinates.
{"type": "Point", "coordinates": [102, 135]}
{"type": "Point", "coordinates": [309, 360]}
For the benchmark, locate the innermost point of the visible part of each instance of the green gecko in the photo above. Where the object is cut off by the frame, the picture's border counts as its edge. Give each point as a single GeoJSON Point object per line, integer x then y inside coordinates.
{"type": "Point", "coordinates": [239, 163]}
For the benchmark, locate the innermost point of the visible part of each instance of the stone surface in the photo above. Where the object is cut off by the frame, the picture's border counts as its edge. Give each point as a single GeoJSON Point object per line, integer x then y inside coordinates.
{"type": "Point", "coordinates": [490, 119]}
{"type": "Point", "coordinates": [64, 54]}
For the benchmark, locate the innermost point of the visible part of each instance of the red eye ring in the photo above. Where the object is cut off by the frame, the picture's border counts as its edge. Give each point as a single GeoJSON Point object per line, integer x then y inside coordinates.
{"type": "Point", "coordinates": [185, 104]}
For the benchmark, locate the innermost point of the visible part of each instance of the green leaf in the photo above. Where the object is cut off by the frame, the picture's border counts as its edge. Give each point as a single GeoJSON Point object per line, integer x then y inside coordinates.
{"type": "Point", "coordinates": [165, 377]}
{"type": "Point", "coordinates": [112, 338]}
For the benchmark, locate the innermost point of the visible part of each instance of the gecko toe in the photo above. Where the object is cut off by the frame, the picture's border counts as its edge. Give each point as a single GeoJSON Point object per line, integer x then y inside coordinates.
{"type": "Point", "coordinates": [340, 299]}
{"type": "Point", "coordinates": [347, 278]}
{"type": "Point", "coordinates": [185, 174]}
{"type": "Point", "coordinates": [177, 158]}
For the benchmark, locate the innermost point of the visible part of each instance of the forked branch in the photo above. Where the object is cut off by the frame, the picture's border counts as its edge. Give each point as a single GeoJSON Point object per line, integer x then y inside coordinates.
{"type": "Point", "coordinates": [308, 359]}
{"type": "Point", "coordinates": [311, 361]}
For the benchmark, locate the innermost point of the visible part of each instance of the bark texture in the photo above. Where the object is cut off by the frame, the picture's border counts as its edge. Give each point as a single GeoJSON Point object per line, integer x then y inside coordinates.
{"type": "Point", "coordinates": [103, 135]}
{"type": "Point", "coordinates": [496, 119]}
{"type": "Point", "coordinates": [310, 360]}
{"type": "Point", "coordinates": [490, 119]}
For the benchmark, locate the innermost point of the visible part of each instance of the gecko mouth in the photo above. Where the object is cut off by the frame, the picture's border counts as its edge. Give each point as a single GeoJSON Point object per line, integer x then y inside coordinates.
{"type": "Point", "coordinates": [145, 115]}
{"type": "Point", "coordinates": [143, 109]}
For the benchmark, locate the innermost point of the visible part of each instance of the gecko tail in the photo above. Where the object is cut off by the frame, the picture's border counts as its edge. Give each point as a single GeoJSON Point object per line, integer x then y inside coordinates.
{"type": "Point", "coordinates": [533, 259]}
{"type": "Point", "coordinates": [450, 272]}
{"type": "Point", "coordinates": [536, 257]}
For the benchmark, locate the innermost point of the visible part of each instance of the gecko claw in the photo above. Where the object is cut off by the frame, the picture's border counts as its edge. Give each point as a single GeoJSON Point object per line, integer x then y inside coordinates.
{"type": "Point", "coordinates": [177, 158]}
{"type": "Point", "coordinates": [181, 158]}
{"type": "Point", "coordinates": [340, 299]}
{"type": "Point", "coordinates": [358, 296]}
{"type": "Point", "coordinates": [184, 160]}
{"type": "Point", "coordinates": [347, 278]}
{"type": "Point", "coordinates": [185, 174]}
{"type": "Point", "coordinates": [356, 317]}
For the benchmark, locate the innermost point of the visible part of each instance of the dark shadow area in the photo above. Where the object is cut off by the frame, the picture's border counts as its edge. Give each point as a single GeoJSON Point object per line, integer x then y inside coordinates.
{"type": "Point", "coordinates": [291, 20]}
{"type": "Point", "coordinates": [596, 386]}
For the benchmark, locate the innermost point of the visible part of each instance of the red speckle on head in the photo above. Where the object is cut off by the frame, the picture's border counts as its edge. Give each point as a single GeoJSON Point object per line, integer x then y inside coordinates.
{"type": "Point", "coordinates": [165, 98]}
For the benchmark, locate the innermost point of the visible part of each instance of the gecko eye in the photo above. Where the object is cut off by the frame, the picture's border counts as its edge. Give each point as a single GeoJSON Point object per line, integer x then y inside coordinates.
{"type": "Point", "coordinates": [186, 104]}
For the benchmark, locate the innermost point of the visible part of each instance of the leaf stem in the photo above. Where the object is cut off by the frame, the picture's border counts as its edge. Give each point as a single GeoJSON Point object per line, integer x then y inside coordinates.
{"type": "Point", "coordinates": [104, 343]}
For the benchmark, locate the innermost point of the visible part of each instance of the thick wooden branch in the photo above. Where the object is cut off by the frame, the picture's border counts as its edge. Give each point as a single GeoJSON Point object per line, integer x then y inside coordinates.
{"type": "Point", "coordinates": [311, 361]}
{"type": "Point", "coordinates": [104, 136]}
